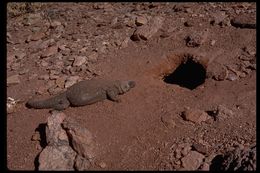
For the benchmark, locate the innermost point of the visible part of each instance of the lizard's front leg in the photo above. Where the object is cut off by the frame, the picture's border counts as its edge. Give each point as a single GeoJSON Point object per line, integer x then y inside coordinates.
{"type": "Point", "coordinates": [113, 95]}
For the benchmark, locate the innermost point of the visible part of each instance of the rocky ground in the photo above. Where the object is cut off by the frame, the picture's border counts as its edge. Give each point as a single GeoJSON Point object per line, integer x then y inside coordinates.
{"type": "Point", "coordinates": [193, 107]}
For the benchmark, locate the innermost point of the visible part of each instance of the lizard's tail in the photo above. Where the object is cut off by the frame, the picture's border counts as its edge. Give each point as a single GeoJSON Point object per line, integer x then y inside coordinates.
{"type": "Point", "coordinates": [45, 104]}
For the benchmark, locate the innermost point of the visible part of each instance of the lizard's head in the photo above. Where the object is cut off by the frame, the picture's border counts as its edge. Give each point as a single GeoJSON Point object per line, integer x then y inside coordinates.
{"type": "Point", "coordinates": [127, 85]}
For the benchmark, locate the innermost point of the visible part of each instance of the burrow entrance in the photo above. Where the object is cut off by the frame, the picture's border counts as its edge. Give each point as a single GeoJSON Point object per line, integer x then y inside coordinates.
{"type": "Point", "coordinates": [189, 74]}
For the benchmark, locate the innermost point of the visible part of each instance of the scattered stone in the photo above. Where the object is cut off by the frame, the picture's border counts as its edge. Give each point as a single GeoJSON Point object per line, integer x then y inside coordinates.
{"type": "Point", "coordinates": [102, 165]}
{"type": "Point", "coordinates": [13, 80]}
{"type": "Point", "coordinates": [10, 105]}
{"type": "Point", "coordinates": [10, 57]}
{"type": "Point", "coordinates": [41, 90]}
{"type": "Point", "coordinates": [20, 55]}
{"type": "Point", "coordinates": [32, 18]}
{"type": "Point", "coordinates": [200, 148]}
{"type": "Point", "coordinates": [33, 76]}
{"type": "Point", "coordinates": [53, 90]}
{"type": "Point", "coordinates": [55, 24]}
{"type": "Point", "coordinates": [212, 42]}
{"type": "Point", "coordinates": [223, 112]}
{"type": "Point", "coordinates": [204, 167]}
{"type": "Point", "coordinates": [49, 51]}
{"type": "Point", "coordinates": [62, 47]}
{"type": "Point", "coordinates": [192, 161]}
{"type": "Point", "coordinates": [197, 38]}
{"type": "Point", "coordinates": [195, 115]}
{"type": "Point", "coordinates": [218, 71]}
{"type": "Point", "coordinates": [60, 82]}
{"type": "Point", "coordinates": [185, 150]}
{"type": "Point", "coordinates": [38, 146]}
{"type": "Point", "coordinates": [71, 80]}
{"type": "Point", "coordinates": [23, 71]}
{"type": "Point", "coordinates": [177, 153]}
{"type": "Point", "coordinates": [36, 36]}
{"type": "Point", "coordinates": [232, 76]}
{"type": "Point", "coordinates": [44, 77]}
{"type": "Point", "coordinates": [93, 57]}
{"type": "Point", "coordinates": [44, 63]}
{"type": "Point", "coordinates": [145, 32]}
{"type": "Point", "coordinates": [124, 43]}
{"type": "Point", "coordinates": [79, 60]}
{"type": "Point", "coordinates": [218, 17]}
{"type": "Point", "coordinates": [244, 21]}
{"type": "Point", "coordinates": [9, 38]}
{"type": "Point", "coordinates": [140, 20]}
{"type": "Point", "coordinates": [189, 23]}
{"type": "Point", "coordinates": [36, 136]}
{"type": "Point", "coordinates": [168, 121]}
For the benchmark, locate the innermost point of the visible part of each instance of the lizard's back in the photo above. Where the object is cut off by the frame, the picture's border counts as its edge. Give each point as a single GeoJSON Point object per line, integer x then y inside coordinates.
{"type": "Point", "coordinates": [87, 92]}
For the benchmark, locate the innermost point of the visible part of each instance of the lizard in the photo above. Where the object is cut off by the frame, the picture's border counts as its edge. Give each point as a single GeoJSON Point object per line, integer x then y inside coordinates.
{"type": "Point", "coordinates": [84, 93]}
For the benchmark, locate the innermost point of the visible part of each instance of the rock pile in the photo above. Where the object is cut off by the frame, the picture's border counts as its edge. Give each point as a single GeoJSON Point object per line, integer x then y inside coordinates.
{"type": "Point", "coordinates": [69, 145]}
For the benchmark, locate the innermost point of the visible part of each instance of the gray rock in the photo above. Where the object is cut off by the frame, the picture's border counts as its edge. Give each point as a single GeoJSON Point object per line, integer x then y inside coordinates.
{"type": "Point", "coordinates": [192, 161]}
{"type": "Point", "coordinates": [54, 158]}
{"type": "Point", "coordinates": [145, 32]}
{"type": "Point", "coordinates": [79, 60]}
{"type": "Point", "coordinates": [55, 134]}
{"type": "Point", "coordinates": [140, 20]}
{"type": "Point", "coordinates": [12, 80]}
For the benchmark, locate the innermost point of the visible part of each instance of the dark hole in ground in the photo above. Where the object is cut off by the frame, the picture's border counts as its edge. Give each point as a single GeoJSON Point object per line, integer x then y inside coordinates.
{"type": "Point", "coordinates": [189, 75]}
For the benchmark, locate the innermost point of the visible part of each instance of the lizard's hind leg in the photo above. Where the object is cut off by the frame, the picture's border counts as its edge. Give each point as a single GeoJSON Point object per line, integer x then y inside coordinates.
{"type": "Point", "coordinates": [63, 104]}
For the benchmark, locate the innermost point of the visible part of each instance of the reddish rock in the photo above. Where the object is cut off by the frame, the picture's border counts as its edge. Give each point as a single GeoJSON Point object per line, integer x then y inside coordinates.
{"type": "Point", "coordinates": [195, 115]}
{"type": "Point", "coordinates": [145, 32]}
{"type": "Point", "coordinates": [192, 161]}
